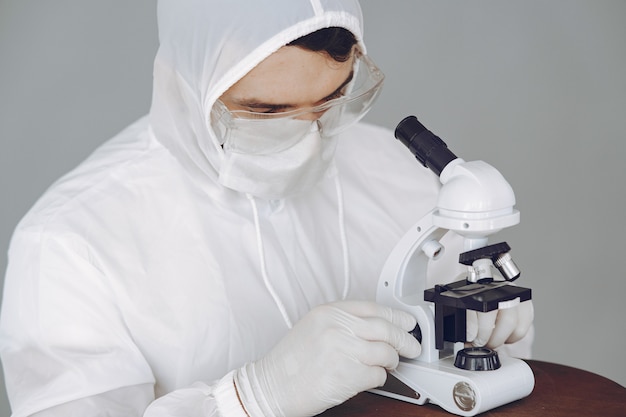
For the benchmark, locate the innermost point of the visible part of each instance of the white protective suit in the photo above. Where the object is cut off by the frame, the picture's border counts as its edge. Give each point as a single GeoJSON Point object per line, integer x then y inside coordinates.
{"type": "Point", "coordinates": [138, 276]}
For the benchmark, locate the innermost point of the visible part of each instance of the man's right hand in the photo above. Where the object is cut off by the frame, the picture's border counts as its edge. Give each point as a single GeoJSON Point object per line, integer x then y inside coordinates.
{"type": "Point", "coordinates": [336, 351]}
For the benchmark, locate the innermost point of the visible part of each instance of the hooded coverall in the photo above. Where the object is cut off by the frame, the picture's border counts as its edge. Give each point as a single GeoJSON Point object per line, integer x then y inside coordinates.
{"type": "Point", "coordinates": [137, 276]}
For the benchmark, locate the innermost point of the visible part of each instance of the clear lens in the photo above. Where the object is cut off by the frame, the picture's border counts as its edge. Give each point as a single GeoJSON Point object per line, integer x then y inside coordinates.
{"type": "Point", "coordinates": [250, 132]}
{"type": "Point", "coordinates": [257, 136]}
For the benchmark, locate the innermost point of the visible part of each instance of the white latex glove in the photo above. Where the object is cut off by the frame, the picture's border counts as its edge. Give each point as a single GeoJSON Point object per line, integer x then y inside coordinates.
{"type": "Point", "coordinates": [495, 328]}
{"type": "Point", "coordinates": [336, 351]}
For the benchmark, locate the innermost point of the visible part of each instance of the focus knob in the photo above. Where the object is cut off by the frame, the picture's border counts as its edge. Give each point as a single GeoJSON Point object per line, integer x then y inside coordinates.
{"type": "Point", "coordinates": [417, 333]}
{"type": "Point", "coordinates": [477, 359]}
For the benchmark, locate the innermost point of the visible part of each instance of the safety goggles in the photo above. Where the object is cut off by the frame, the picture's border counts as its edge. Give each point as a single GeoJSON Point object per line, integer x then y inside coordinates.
{"type": "Point", "coordinates": [261, 133]}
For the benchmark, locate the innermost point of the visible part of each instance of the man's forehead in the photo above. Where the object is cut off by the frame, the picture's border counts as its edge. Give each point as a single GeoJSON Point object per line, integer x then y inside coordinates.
{"type": "Point", "coordinates": [292, 76]}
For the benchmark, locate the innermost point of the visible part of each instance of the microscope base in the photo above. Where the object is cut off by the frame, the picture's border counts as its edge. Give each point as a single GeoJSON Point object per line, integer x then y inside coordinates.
{"type": "Point", "coordinates": [461, 392]}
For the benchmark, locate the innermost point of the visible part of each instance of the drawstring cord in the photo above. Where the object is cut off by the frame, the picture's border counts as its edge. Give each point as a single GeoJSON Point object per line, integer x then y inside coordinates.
{"type": "Point", "coordinates": [266, 280]}
{"type": "Point", "coordinates": [261, 251]}
{"type": "Point", "coordinates": [344, 240]}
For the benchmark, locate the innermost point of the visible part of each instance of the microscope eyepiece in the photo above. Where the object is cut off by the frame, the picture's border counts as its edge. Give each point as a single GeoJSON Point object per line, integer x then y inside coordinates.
{"type": "Point", "coordinates": [429, 149]}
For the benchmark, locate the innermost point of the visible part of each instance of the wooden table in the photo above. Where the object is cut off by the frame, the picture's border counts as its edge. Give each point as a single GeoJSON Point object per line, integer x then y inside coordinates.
{"type": "Point", "coordinates": [559, 391]}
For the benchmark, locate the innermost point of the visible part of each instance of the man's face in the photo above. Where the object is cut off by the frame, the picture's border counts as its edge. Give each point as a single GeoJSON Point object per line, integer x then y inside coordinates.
{"type": "Point", "coordinates": [292, 78]}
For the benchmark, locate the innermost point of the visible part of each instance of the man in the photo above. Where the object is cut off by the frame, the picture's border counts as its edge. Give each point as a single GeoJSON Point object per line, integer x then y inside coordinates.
{"type": "Point", "coordinates": [193, 264]}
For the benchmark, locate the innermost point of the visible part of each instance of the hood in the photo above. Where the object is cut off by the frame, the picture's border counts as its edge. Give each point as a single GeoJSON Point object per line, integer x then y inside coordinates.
{"type": "Point", "coordinates": [205, 46]}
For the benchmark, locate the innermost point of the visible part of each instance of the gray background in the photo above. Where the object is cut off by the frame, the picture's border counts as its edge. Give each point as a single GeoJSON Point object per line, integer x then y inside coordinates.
{"type": "Point", "coordinates": [536, 88]}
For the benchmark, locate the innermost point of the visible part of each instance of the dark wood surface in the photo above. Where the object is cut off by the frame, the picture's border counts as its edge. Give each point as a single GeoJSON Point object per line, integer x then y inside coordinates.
{"type": "Point", "coordinates": [559, 391]}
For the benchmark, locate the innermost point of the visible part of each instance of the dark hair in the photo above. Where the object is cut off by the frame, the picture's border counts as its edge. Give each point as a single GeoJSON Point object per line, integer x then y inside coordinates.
{"type": "Point", "coordinates": [335, 41]}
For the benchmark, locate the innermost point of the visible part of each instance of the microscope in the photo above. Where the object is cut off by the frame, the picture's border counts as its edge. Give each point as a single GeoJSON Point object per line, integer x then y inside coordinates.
{"type": "Point", "coordinates": [475, 202]}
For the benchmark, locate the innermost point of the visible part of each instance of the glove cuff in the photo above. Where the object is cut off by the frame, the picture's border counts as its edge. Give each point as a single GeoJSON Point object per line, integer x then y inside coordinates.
{"type": "Point", "coordinates": [251, 393]}
{"type": "Point", "coordinates": [227, 397]}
